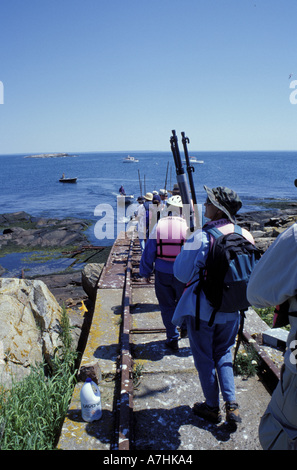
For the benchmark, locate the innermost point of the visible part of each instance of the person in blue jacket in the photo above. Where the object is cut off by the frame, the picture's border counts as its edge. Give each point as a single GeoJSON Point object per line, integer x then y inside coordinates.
{"type": "Point", "coordinates": [161, 249]}
{"type": "Point", "coordinates": [211, 345]}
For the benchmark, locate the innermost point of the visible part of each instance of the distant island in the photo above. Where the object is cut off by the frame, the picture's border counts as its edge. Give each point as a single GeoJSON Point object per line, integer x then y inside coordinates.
{"type": "Point", "coordinates": [50, 155]}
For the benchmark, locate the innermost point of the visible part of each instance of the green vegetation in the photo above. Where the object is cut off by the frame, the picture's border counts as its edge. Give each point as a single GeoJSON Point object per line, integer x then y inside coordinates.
{"type": "Point", "coordinates": [246, 362]}
{"type": "Point", "coordinates": [137, 374]}
{"type": "Point", "coordinates": [31, 252]}
{"type": "Point", "coordinates": [33, 410]}
{"type": "Point", "coordinates": [266, 314]}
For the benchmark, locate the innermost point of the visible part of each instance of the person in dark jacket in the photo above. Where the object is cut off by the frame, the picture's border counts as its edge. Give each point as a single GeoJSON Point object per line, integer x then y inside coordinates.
{"type": "Point", "coordinates": [161, 249]}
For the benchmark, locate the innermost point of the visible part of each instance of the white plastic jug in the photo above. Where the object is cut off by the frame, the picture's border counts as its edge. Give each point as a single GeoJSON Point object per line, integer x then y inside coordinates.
{"type": "Point", "coordinates": [90, 400]}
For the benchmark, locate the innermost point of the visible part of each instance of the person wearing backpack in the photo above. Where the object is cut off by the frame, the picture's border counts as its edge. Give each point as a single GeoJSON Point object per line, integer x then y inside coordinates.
{"type": "Point", "coordinates": [161, 249]}
{"type": "Point", "coordinates": [211, 344]}
{"type": "Point", "coordinates": [274, 283]}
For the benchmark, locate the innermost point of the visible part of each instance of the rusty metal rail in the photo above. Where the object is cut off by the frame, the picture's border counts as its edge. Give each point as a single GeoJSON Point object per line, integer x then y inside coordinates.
{"type": "Point", "coordinates": [126, 369]}
{"type": "Point", "coordinates": [125, 398]}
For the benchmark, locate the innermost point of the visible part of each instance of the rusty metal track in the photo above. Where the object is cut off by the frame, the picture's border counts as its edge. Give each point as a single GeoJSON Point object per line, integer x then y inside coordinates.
{"type": "Point", "coordinates": [126, 371]}
{"type": "Point", "coordinates": [128, 253]}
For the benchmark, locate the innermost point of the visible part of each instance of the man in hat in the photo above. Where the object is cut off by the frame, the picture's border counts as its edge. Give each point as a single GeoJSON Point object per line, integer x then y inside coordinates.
{"type": "Point", "coordinates": [175, 191]}
{"type": "Point", "coordinates": [163, 196]}
{"type": "Point", "coordinates": [211, 345]}
{"type": "Point", "coordinates": [161, 249]}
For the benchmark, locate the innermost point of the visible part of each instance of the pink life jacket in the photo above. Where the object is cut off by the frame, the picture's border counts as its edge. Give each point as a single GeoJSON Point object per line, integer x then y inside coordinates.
{"type": "Point", "coordinates": [171, 235]}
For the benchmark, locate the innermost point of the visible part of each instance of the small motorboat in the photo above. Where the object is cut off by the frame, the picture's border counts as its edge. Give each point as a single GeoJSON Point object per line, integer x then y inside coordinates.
{"type": "Point", "coordinates": [130, 159]}
{"type": "Point", "coordinates": [67, 180]}
{"type": "Point", "coordinates": [194, 160]}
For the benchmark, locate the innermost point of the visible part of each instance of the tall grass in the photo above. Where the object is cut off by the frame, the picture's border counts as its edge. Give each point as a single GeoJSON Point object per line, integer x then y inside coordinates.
{"type": "Point", "coordinates": [33, 410]}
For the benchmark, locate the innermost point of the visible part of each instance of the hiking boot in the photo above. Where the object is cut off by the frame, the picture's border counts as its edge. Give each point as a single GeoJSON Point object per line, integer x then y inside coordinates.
{"type": "Point", "coordinates": [183, 333]}
{"type": "Point", "coordinates": [210, 413]}
{"type": "Point", "coordinates": [172, 344]}
{"type": "Point", "coordinates": [232, 413]}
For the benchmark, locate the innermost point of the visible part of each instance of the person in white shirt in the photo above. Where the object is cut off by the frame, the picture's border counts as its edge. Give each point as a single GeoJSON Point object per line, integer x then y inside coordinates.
{"type": "Point", "coordinates": [143, 219]}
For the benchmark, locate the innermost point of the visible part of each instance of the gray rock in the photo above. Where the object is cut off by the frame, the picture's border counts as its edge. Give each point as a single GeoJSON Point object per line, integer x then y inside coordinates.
{"type": "Point", "coordinates": [265, 226]}
{"type": "Point", "coordinates": [30, 326]}
{"type": "Point", "coordinates": [90, 277]}
{"type": "Point", "coordinates": [41, 232]}
{"type": "Point", "coordinates": [91, 370]}
{"type": "Point", "coordinates": [12, 218]}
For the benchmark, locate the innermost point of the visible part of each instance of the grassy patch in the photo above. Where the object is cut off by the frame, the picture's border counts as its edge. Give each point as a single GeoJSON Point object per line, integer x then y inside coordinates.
{"type": "Point", "coordinates": [33, 410]}
{"type": "Point", "coordinates": [246, 362]}
{"type": "Point", "coordinates": [266, 314]}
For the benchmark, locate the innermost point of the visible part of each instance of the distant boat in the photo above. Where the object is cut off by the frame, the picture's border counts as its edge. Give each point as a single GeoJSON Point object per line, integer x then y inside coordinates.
{"type": "Point", "coordinates": [68, 180]}
{"type": "Point", "coordinates": [130, 159]}
{"type": "Point", "coordinates": [194, 160]}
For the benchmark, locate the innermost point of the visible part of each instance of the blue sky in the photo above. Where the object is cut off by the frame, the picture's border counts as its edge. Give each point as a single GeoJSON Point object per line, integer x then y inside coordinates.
{"type": "Point", "coordinates": [113, 75]}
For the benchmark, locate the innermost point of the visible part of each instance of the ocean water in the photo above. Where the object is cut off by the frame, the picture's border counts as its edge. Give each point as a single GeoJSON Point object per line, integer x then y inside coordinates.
{"type": "Point", "coordinates": [32, 184]}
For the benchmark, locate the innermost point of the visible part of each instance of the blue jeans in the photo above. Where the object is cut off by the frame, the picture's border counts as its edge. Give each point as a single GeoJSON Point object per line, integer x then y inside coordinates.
{"type": "Point", "coordinates": [142, 244]}
{"type": "Point", "coordinates": [211, 348]}
{"type": "Point", "coordinates": [168, 291]}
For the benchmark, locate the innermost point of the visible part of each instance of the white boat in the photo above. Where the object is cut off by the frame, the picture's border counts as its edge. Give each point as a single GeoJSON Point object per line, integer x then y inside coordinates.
{"type": "Point", "coordinates": [130, 159]}
{"type": "Point", "coordinates": [194, 160]}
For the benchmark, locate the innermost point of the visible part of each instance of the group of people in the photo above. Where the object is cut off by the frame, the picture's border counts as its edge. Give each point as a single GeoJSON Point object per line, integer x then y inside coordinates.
{"type": "Point", "coordinates": [176, 259]}
{"type": "Point", "coordinates": [151, 208]}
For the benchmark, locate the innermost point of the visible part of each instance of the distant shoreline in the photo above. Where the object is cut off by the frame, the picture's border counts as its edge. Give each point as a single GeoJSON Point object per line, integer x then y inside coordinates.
{"type": "Point", "coordinates": [50, 155]}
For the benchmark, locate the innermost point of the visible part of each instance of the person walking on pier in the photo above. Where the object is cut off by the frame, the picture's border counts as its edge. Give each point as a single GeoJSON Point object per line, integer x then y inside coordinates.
{"type": "Point", "coordinates": [274, 283]}
{"type": "Point", "coordinates": [144, 219]}
{"type": "Point", "coordinates": [211, 345]}
{"type": "Point", "coordinates": [164, 198]}
{"type": "Point", "coordinates": [161, 249]}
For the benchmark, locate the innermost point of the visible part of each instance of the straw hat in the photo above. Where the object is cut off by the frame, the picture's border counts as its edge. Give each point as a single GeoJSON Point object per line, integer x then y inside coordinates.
{"type": "Point", "coordinates": [148, 197]}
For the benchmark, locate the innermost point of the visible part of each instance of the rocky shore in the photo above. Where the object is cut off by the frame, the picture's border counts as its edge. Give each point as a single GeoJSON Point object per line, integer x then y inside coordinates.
{"type": "Point", "coordinates": [30, 306]}
{"type": "Point", "coordinates": [266, 225]}
{"type": "Point", "coordinates": [20, 229]}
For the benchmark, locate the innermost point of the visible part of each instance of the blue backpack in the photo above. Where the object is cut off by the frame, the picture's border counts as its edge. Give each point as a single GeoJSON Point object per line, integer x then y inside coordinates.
{"type": "Point", "coordinates": [226, 274]}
